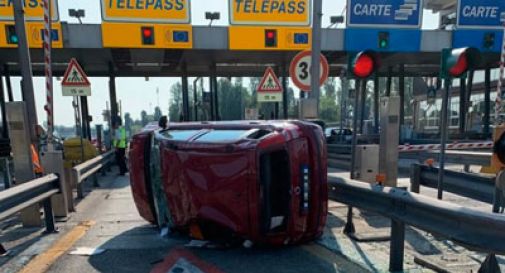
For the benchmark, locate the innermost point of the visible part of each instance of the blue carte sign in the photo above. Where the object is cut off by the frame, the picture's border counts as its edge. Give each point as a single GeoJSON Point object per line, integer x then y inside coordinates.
{"type": "Point", "coordinates": [481, 13]}
{"type": "Point", "coordinates": [385, 13]}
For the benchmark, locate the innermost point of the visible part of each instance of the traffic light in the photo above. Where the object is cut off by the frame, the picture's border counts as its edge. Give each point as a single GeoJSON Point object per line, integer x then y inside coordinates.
{"type": "Point", "coordinates": [383, 39]}
{"type": "Point", "coordinates": [147, 34]}
{"type": "Point", "coordinates": [457, 62]}
{"type": "Point", "coordinates": [489, 40]}
{"type": "Point", "coordinates": [11, 35]}
{"type": "Point", "coordinates": [180, 36]}
{"type": "Point", "coordinates": [363, 64]}
{"type": "Point", "coordinates": [270, 38]}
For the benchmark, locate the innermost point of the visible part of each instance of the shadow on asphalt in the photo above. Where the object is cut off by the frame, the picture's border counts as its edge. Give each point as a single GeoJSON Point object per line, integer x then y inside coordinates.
{"type": "Point", "coordinates": [141, 249]}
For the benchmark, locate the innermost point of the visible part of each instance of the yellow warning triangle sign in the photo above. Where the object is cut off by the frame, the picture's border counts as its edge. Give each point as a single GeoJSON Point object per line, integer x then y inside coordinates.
{"type": "Point", "coordinates": [74, 75]}
{"type": "Point", "coordinates": [270, 82]}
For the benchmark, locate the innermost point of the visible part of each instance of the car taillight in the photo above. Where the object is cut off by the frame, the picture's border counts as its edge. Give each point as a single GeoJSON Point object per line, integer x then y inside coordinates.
{"type": "Point", "coordinates": [305, 189]}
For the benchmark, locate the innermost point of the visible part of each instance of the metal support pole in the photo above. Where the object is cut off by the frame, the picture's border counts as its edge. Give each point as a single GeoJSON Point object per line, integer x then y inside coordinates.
{"type": "Point", "coordinates": [8, 84]}
{"type": "Point", "coordinates": [363, 106]}
{"type": "Point", "coordinates": [185, 98]}
{"type": "Point", "coordinates": [26, 69]}
{"type": "Point", "coordinates": [316, 52]}
{"type": "Point", "coordinates": [487, 102]}
{"type": "Point", "coordinates": [443, 138]}
{"type": "Point", "coordinates": [355, 112]}
{"type": "Point", "coordinates": [49, 216]}
{"type": "Point", "coordinates": [462, 106]}
{"type": "Point", "coordinates": [343, 101]}
{"type": "Point", "coordinates": [469, 89]}
{"type": "Point", "coordinates": [389, 81]}
{"type": "Point", "coordinates": [112, 93]}
{"type": "Point", "coordinates": [5, 130]}
{"type": "Point", "coordinates": [216, 96]}
{"type": "Point", "coordinates": [349, 225]}
{"type": "Point", "coordinates": [212, 106]}
{"type": "Point", "coordinates": [396, 246]}
{"type": "Point", "coordinates": [415, 178]}
{"type": "Point", "coordinates": [195, 99]}
{"type": "Point", "coordinates": [285, 102]}
{"type": "Point", "coordinates": [402, 98]}
{"type": "Point", "coordinates": [86, 129]}
{"type": "Point", "coordinates": [376, 96]}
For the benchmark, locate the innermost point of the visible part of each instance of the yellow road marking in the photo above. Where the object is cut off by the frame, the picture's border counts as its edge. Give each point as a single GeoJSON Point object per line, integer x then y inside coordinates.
{"type": "Point", "coordinates": [43, 261]}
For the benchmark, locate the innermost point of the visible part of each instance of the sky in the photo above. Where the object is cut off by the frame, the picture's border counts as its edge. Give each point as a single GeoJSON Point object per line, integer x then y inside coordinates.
{"type": "Point", "coordinates": [137, 94]}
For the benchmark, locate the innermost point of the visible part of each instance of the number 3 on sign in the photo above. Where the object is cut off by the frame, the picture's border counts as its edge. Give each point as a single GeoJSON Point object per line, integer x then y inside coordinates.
{"type": "Point", "coordinates": [300, 70]}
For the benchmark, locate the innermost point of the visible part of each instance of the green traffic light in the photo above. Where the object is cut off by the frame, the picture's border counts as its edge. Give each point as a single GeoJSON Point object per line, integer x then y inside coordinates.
{"type": "Point", "coordinates": [383, 44]}
{"type": "Point", "coordinates": [383, 40]}
{"type": "Point", "coordinates": [12, 37]}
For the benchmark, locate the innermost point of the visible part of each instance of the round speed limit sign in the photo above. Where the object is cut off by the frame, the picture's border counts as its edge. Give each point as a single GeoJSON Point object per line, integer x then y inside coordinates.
{"type": "Point", "coordinates": [300, 70]}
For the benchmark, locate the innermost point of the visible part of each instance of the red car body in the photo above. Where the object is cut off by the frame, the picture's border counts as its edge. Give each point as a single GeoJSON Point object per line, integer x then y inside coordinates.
{"type": "Point", "coordinates": [260, 181]}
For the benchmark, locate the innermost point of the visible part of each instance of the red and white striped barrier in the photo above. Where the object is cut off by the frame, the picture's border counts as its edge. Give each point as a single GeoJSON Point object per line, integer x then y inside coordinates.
{"type": "Point", "coordinates": [452, 146]}
{"type": "Point", "coordinates": [48, 70]}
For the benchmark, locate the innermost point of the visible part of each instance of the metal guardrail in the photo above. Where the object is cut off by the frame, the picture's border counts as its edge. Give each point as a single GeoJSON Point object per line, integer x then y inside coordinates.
{"type": "Point", "coordinates": [30, 193]}
{"type": "Point", "coordinates": [475, 230]}
{"type": "Point", "coordinates": [86, 169]}
{"type": "Point", "coordinates": [478, 187]}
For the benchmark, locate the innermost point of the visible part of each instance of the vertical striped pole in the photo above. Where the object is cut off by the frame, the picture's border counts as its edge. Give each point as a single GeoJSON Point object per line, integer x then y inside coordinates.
{"type": "Point", "coordinates": [499, 91]}
{"type": "Point", "coordinates": [48, 71]}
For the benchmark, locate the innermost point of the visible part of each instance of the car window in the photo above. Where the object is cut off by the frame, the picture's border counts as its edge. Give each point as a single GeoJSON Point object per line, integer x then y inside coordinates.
{"type": "Point", "coordinates": [222, 136]}
{"type": "Point", "coordinates": [180, 134]}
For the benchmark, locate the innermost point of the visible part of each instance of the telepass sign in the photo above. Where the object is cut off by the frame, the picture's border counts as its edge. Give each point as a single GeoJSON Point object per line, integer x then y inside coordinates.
{"type": "Point", "coordinates": [34, 10]}
{"type": "Point", "coordinates": [268, 12]}
{"type": "Point", "coordinates": [156, 11]}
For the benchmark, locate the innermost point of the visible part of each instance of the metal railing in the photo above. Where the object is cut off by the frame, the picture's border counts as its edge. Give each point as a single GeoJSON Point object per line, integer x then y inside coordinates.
{"type": "Point", "coordinates": [36, 191]}
{"type": "Point", "coordinates": [86, 169]}
{"type": "Point", "coordinates": [478, 187]}
{"type": "Point", "coordinates": [475, 230]}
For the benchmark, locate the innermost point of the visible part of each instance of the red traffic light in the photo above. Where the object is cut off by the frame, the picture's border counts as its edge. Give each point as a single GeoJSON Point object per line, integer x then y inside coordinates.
{"type": "Point", "coordinates": [270, 38]}
{"type": "Point", "coordinates": [147, 35]}
{"type": "Point", "coordinates": [364, 65]}
{"type": "Point", "coordinates": [147, 32]}
{"type": "Point", "coordinates": [460, 67]}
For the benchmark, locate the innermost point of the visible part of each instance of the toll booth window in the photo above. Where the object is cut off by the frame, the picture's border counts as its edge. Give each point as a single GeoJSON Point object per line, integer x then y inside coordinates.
{"type": "Point", "coordinates": [222, 136]}
{"type": "Point", "coordinates": [180, 134]}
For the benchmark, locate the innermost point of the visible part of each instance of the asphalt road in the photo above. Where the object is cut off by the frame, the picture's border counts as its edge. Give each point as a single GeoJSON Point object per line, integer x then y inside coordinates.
{"type": "Point", "coordinates": [111, 223]}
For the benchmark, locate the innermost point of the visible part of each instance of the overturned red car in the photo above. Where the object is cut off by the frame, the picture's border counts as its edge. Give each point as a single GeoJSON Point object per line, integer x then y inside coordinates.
{"type": "Point", "coordinates": [260, 181]}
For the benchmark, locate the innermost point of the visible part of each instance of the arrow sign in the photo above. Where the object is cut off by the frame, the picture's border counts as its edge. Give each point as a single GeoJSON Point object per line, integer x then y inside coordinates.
{"type": "Point", "coordinates": [269, 89]}
{"type": "Point", "coordinates": [75, 82]}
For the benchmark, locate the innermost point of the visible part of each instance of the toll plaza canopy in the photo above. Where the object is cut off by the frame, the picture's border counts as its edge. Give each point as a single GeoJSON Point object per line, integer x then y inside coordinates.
{"type": "Point", "coordinates": [156, 38]}
{"type": "Point", "coordinates": [211, 47]}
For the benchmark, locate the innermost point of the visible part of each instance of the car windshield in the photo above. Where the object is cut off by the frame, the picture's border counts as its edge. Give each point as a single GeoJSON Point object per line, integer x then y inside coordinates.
{"type": "Point", "coordinates": [222, 136]}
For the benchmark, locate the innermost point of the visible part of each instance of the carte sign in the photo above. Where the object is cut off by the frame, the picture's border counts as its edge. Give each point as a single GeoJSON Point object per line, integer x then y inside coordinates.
{"type": "Point", "coordinates": [269, 12]}
{"type": "Point", "coordinates": [481, 13]}
{"type": "Point", "coordinates": [155, 11]}
{"type": "Point", "coordinates": [34, 10]}
{"type": "Point", "coordinates": [385, 13]}
{"type": "Point", "coordinates": [299, 70]}
{"type": "Point", "coordinates": [269, 89]}
{"type": "Point", "coordinates": [75, 82]}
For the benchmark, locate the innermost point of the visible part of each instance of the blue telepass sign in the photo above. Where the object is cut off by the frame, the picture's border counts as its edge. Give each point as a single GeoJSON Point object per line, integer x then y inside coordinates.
{"type": "Point", "coordinates": [385, 13]}
{"type": "Point", "coordinates": [481, 13]}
